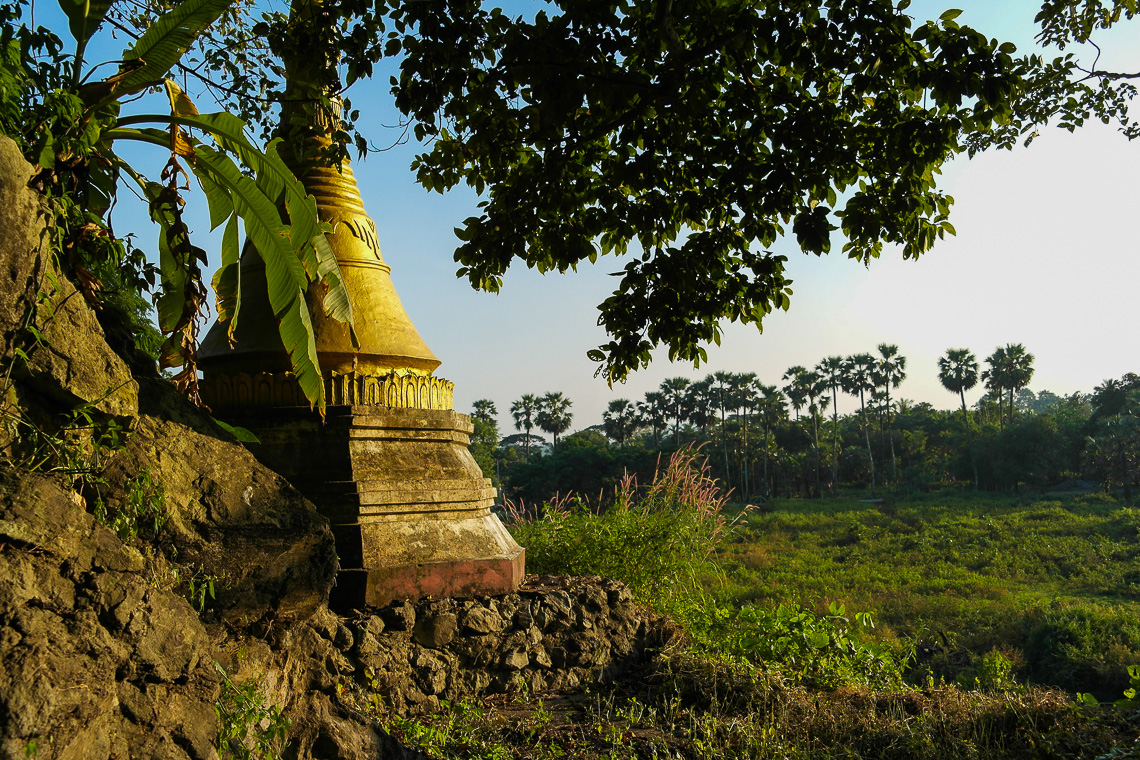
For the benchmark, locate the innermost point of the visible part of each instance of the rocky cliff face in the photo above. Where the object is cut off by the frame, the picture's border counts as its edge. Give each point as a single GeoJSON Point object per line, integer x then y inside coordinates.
{"type": "Point", "coordinates": [111, 643]}
{"type": "Point", "coordinates": [97, 659]}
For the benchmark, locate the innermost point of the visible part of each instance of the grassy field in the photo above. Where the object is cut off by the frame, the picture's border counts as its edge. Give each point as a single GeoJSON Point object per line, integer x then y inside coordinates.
{"type": "Point", "coordinates": [950, 626]}
{"type": "Point", "coordinates": [1050, 583]}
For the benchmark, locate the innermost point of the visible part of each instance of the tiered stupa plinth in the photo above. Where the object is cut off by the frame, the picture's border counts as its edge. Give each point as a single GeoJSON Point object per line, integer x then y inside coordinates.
{"type": "Point", "coordinates": [389, 464]}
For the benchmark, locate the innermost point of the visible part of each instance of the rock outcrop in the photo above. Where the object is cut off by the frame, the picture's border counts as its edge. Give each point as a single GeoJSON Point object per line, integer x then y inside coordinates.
{"type": "Point", "coordinates": [109, 645]}
{"type": "Point", "coordinates": [101, 656]}
{"type": "Point", "coordinates": [98, 657]}
{"type": "Point", "coordinates": [71, 364]}
{"type": "Point", "coordinates": [229, 516]}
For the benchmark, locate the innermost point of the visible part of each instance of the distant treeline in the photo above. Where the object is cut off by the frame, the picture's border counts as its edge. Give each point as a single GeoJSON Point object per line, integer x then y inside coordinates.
{"type": "Point", "coordinates": [789, 440]}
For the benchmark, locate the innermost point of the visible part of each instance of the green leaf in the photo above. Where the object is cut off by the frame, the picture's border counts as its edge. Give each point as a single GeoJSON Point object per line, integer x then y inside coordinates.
{"type": "Point", "coordinates": [285, 275]}
{"type": "Point", "coordinates": [46, 158]}
{"type": "Point", "coordinates": [243, 435]}
{"type": "Point", "coordinates": [84, 17]}
{"type": "Point", "coordinates": [227, 280]}
{"type": "Point", "coordinates": [219, 201]}
{"type": "Point", "coordinates": [274, 178]}
{"type": "Point", "coordinates": [950, 15]}
{"type": "Point", "coordinates": [168, 38]}
{"type": "Point", "coordinates": [336, 304]}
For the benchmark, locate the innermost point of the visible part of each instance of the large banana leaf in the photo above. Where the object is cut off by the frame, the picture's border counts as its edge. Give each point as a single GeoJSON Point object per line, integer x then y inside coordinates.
{"type": "Point", "coordinates": [336, 296]}
{"type": "Point", "coordinates": [227, 280]}
{"type": "Point", "coordinates": [84, 17]}
{"type": "Point", "coordinates": [306, 230]}
{"type": "Point", "coordinates": [275, 180]}
{"type": "Point", "coordinates": [285, 274]}
{"type": "Point", "coordinates": [168, 38]}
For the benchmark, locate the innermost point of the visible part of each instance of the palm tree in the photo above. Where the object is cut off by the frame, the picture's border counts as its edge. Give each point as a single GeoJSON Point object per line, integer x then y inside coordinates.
{"type": "Point", "coordinates": [1019, 370]}
{"type": "Point", "coordinates": [700, 403]}
{"type": "Point", "coordinates": [1108, 398]}
{"type": "Point", "coordinates": [620, 420]}
{"type": "Point", "coordinates": [673, 390]}
{"type": "Point", "coordinates": [721, 385]}
{"type": "Point", "coordinates": [816, 388]}
{"type": "Point", "coordinates": [484, 409]}
{"type": "Point", "coordinates": [1011, 369]}
{"type": "Point", "coordinates": [858, 380]}
{"type": "Point", "coordinates": [745, 395]}
{"type": "Point", "coordinates": [831, 372]}
{"type": "Point", "coordinates": [653, 413]}
{"type": "Point", "coordinates": [995, 380]}
{"type": "Point", "coordinates": [890, 371]}
{"type": "Point", "coordinates": [958, 373]}
{"type": "Point", "coordinates": [796, 389]}
{"type": "Point", "coordinates": [525, 410]}
{"type": "Point", "coordinates": [554, 415]}
{"type": "Point", "coordinates": [772, 409]}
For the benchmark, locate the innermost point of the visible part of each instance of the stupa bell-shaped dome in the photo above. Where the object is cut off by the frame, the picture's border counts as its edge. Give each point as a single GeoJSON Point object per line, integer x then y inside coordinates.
{"type": "Point", "coordinates": [388, 340]}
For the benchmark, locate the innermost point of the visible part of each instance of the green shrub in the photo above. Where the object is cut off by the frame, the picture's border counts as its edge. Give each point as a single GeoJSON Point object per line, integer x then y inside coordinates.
{"type": "Point", "coordinates": [143, 506]}
{"type": "Point", "coordinates": [1081, 645]}
{"type": "Point", "coordinates": [662, 541]}
{"type": "Point", "coordinates": [805, 648]}
{"type": "Point", "coordinates": [250, 727]}
{"type": "Point", "coordinates": [659, 539]}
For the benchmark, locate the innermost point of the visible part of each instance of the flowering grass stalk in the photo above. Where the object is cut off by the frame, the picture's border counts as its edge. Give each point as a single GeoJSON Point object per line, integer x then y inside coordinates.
{"type": "Point", "coordinates": [659, 539]}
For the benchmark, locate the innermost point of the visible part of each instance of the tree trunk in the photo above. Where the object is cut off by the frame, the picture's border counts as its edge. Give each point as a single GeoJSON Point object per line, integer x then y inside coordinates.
{"type": "Point", "coordinates": [815, 446]}
{"type": "Point", "coordinates": [744, 467]}
{"type": "Point", "coordinates": [891, 439]}
{"type": "Point", "coordinates": [724, 446]}
{"type": "Point", "coordinates": [834, 440]}
{"type": "Point", "coordinates": [767, 487]}
{"type": "Point", "coordinates": [969, 439]}
{"type": "Point", "coordinates": [867, 438]}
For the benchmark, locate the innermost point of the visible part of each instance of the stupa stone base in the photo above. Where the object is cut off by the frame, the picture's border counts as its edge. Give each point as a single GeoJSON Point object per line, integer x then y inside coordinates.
{"type": "Point", "coordinates": [409, 506]}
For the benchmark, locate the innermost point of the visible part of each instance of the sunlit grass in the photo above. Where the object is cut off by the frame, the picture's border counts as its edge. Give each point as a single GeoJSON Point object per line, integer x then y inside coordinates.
{"type": "Point", "coordinates": [964, 572]}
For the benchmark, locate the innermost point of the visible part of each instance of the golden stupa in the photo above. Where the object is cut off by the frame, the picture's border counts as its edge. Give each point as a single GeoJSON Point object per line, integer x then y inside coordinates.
{"type": "Point", "coordinates": [388, 463]}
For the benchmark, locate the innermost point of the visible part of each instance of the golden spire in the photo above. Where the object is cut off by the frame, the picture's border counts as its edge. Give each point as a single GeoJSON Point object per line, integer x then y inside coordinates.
{"type": "Point", "coordinates": [389, 342]}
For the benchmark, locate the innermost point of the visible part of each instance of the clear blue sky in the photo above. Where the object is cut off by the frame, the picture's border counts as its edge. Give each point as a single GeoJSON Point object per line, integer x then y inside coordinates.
{"type": "Point", "coordinates": [1044, 256]}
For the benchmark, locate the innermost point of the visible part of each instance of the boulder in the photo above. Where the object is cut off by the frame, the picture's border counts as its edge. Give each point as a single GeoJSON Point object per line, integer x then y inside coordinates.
{"type": "Point", "coordinates": [269, 551]}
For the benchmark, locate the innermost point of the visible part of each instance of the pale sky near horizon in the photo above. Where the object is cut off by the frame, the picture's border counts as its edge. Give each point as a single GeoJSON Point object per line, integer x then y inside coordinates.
{"type": "Point", "coordinates": [1043, 256]}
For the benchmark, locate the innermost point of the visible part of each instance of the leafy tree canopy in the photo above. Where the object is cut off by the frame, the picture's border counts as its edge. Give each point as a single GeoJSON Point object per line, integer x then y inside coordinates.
{"type": "Point", "coordinates": [1065, 89]}
{"type": "Point", "coordinates": [686, 135]}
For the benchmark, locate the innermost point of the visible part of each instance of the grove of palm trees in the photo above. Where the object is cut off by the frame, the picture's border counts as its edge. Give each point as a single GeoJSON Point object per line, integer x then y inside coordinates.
{"type": "Point", "coordinates": [789, 439]}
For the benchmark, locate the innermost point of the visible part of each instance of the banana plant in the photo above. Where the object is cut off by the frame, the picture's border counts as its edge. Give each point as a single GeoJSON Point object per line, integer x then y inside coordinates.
{"type": "Point", "coordinates": [240, 182]}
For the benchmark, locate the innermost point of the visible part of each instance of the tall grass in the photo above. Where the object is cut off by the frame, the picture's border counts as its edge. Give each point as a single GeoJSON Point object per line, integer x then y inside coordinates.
{"type": "Point", "coordinates": [663, 540]}
{"type": "Point", "coordinates": [660, 539]}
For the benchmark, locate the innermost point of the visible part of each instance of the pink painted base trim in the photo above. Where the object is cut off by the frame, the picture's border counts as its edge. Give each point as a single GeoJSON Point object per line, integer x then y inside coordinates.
{"type": "Point", "coordinates": [453, 578]}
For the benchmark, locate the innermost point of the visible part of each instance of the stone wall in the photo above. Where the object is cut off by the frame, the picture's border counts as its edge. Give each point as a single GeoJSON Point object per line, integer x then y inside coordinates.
{"type": "Point", "coordinates": [554, 634]}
